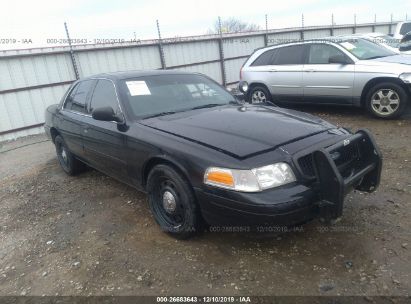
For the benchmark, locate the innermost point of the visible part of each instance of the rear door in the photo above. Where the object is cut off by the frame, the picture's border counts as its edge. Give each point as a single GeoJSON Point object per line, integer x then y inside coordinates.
{"type": "Point", "coordinates": [326, 82]}
{"type": "Point", "coordinates": [72, 115]}
{"type": "Point", "coordinates": [104, 143]}
{"type": "Point", "coordinates": [286, 73]}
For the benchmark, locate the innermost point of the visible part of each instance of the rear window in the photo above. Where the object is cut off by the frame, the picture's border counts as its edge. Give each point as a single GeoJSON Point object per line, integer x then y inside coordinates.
{"type": "Point", "coordinates": [289, 55]}
{"type": "Point", "coordinates": [265, 58]}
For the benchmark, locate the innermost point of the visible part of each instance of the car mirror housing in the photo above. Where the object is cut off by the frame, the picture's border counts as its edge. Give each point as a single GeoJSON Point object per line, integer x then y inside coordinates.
{"type": "Point", "coordinates": [339, 59]}
{"type": "Point", "coordinates": [106, 114]}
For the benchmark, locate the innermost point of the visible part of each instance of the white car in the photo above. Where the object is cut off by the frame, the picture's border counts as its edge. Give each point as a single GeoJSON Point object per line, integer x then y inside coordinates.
{"type": "Point", "coordinates": [401, 29]}
{"type": "Point", "coordinates": [335, 70]}
{"type": "Point", "coordinates": [405, 44]}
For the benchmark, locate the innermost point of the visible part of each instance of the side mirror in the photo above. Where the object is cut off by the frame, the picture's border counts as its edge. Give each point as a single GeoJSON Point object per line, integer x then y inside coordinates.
{"type": "Point", "coordinates": [339, 59]}
{"type": "Point", "coordinates": [106, 114]}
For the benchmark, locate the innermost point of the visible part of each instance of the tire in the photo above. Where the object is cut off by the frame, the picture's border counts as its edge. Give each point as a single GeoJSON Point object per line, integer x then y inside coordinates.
{"type": "Point", "coordinates": [259, 94]}
{"type": "Point", "coordinates": [70, 164]}
{"type": "Point", "coordinates": [173, 203]}
{"type": "Point", "coordinates": [386, 100]}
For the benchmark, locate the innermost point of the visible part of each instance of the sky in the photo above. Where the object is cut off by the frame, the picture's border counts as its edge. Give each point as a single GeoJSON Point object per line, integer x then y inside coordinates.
{"type": "Point", "coordinates": [40, 23]}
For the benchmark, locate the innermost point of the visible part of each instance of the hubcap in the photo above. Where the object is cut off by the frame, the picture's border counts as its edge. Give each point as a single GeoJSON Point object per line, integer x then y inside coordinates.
{"type": "Point", "coordinates": [169, 202]}
{"type": "Point", "coordinates": [64, 154]}
{"type": "Point", "coordinates": [385, 102]}
{"type": "Point", "coordinates": [258, 97]}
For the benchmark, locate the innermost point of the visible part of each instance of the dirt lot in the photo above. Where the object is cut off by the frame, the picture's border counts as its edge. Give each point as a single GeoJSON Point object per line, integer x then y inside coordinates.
{"type": "Point", "coordinates": [90, 235]}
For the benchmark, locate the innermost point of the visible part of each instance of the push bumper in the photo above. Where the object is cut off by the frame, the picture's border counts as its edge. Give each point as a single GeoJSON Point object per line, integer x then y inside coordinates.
{"type": "Point", "coordinates": [364, 175]}
{"type": "Point", "coordinates": [297, 203]}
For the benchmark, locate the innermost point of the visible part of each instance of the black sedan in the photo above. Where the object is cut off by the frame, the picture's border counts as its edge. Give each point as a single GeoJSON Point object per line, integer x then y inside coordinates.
{"type": "Point", "coordinates": [203, 157]}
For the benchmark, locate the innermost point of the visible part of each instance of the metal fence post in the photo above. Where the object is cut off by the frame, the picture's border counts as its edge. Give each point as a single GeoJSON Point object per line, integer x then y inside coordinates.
{"type": "Point", "coordinates": [354, 29]}
{"type": "Point", "coordinates": [160, 47]}
{"type": "Point", "coordinates": [73, 59]}
{"type": "Point", "coordinates": [375, 21]}
{"type": "Point", "coordinates": [221, 51]}
{"type": "Point", "coordinates": [332, 25]}
{"type": "Point", "coordinates": [390, 27]}
{"type": "Point", "coordinates": [266, 31]}
{"type": "Point", "coordinates": [302, 27]}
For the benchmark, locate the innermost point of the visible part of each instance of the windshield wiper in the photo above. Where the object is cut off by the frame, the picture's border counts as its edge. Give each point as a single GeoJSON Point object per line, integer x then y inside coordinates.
{"type": "Point", "coordinates": [210, 105]}
{"type": "Point", "coordinates": [160, 114]}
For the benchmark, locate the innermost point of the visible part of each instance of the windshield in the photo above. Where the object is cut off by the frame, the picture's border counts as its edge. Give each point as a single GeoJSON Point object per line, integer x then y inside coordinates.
{"type": "Point", "coordinates": [156, 95]}
{"type": "Point", "coordinates": [364, 49]}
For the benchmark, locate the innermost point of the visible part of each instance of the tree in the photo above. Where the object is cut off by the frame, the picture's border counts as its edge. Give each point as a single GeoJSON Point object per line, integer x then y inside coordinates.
{"type": "Point", "coordinates": [233, 25]}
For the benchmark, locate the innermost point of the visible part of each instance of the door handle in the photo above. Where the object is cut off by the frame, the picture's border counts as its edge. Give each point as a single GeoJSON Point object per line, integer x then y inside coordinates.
{"type": "Point", "coordinates": [310, 70]}
{"type": "Point", "coordinates": [272, 70]}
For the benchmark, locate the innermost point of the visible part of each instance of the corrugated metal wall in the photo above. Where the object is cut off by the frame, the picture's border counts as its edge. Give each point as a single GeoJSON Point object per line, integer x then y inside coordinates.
{"type": "Point", "coordinates": [31, 80]}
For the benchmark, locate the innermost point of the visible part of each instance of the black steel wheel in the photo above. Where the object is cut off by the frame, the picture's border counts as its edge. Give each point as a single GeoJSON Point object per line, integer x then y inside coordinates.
{"type": "Point", "coordinates": [172, 202]}
{"type": "Point", "coordinates": [70, 164]}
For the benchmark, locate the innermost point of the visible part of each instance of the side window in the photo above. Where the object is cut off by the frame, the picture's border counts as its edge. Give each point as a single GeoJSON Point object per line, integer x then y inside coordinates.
{"type": "Point", "coordinates": [321, 53]}
{"type": "Point", "coordinates": [104, 95]}
{"type": "Point", "coordinates": [76, 100]}
{"type": "Point", "coordinates": [290, 55]}
{"type": "Point", "coordinates": [264, 59]}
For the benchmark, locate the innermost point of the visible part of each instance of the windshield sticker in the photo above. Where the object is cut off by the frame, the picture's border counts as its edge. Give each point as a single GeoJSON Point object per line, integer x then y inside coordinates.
{"type": "Point", "coordinates": [349, 46]}
{"type": "Point", "coordinates": [137, 88]}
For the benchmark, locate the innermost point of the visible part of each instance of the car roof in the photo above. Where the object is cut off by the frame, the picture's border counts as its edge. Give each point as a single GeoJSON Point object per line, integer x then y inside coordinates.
{"type": "Point", "coordinates": [137, 73]}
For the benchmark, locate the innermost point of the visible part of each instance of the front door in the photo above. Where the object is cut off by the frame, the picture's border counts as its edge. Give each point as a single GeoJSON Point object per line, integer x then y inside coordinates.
{"type": "Point", "coordinates": [326, 82]}
{"type": "Point", "coordinates": [104, 143]}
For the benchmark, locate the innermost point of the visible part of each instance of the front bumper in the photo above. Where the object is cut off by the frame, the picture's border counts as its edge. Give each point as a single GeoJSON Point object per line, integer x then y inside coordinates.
{"type": "Point", "coordinates": [297, 203]}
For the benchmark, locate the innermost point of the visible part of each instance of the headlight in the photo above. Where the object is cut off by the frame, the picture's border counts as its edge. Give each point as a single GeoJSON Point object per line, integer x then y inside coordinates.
{"type": "Point", "coordinates": [250, 180]}
{"type": "Point", "coordinates": [406, 77]}
{"type": "Point", "coordinates": [243, 86]}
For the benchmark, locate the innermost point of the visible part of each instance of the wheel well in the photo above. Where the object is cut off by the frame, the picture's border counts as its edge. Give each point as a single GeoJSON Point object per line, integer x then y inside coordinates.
{"type": "Point", "coordinates": [258, 84]}
{"type": "Point", "coordinates": [375, 81]}
{"type": "Point", "coordinates": [160, 161]}
{"type": "Point", "coordinates": [54, 133]}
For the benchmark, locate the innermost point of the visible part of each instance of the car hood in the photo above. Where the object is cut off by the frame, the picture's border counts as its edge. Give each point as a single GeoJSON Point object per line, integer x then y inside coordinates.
{"type": "Point", "coordinates": [403, 59]}
{"type": "Point", "coordinates": [240, 131]}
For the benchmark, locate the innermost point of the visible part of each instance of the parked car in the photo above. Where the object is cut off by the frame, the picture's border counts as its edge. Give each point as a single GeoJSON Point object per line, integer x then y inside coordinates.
{"type": "Point", "coordinates": [202, 155]}
{"type": "Point", "coordinates": [401, 29]}
{"type": "Point", "coordinates": [405, 44]}
{"type": "Point", "coordinates": [335, 70]}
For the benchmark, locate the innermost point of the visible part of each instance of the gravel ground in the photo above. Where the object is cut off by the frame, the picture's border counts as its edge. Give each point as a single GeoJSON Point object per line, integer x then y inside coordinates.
{"type": "Point", "coordinates": [91, 235]}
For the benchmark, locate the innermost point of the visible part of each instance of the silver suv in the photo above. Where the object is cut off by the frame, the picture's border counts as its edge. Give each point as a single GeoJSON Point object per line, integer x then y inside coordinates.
{"type": "Point", "coordinates": [337, 70]}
